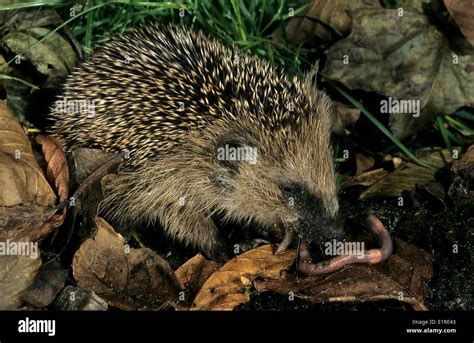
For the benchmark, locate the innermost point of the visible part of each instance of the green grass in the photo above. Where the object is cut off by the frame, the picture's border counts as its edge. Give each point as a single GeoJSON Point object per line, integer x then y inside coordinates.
{"type": "Point", "coordinates": [247, 24]}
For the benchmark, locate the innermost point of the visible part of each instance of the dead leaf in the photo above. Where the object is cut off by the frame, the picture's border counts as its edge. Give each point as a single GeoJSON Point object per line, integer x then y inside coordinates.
{"type": "Point", "coordinates": [410, 174]}
{"type": "Point", "coordinates": [363, 163]}
{"type": "Point", "coordinates": [77, 299]}
{"type": "Point", "coordinates": [27, 222]}
{"type": "Point", "coordinates": [46, 285]}
{"type": "Point", "coordinates": [56, 164]}
{"type": "Point", "coordinates": [126, 278]}
{"type": "Point", "coordinates": [461, 190]}
{"type": "Point", "coordinates": [318, 15]}
{"type": "Point", "coordinates": [366, 179]}
{"type": "Point", "coordinates": [462, 12]}
{"type": "Point", "coordinates": [404, 277]}
{"type": "Point", "coordinates": [25, 195]}
{"type": "Point", "coordinates": [345, 116]}
{"type": "Point", "coordinates": [404, 58]}
{"type": "Point", "coordinates": [192, 274]}
{"type": "Point", "coordinates": [226, 288]}
{"type": "Point", "coordinates": [53, 56]}
{"type": "Point", "coordinates": [17, 272]}
{"type": "Point", "coordinates": [52, 59]}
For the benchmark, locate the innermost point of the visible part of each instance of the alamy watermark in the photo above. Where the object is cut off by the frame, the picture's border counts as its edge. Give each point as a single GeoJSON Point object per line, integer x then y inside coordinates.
{"type": "Point", "coordinates": [241, 153]}
{"type": "Point", "coordinates": [338, 248]}
{"type": "Point", "coordinates": [9, 247]}
{"type": "Point", "coordinates": [28, 325]}
{"type": "Point", "coordinates": [82, 106]}
{"type": "Point", "coordinates": [400, 106]}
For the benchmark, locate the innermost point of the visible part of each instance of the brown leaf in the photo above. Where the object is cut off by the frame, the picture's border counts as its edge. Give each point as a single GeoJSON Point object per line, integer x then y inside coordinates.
{"type": "Point", "coordinates": [410, 174]}
{"type": "Point", "coordinates": [126, 278]}
{"type": "Point", "coordinates": [363, 163]}
{"type": "Point", "coordinates": [21, 176]}
{"type": "Point", "coordinates": [226, 288]}
{"type": "Point", "coordinates": [404, 58]}
{"type": "Point", "coordinates": [77, 299]}
{"type": "Point", "coordinates": [345, 116]}
{"type": "Point", "coordinates": [192, 274]}
{"type": "Point", "coordinates": [366, 179]}
{"type": "Point", "coordinates": [404, 277]}
{"type": "Point", "coordinates": [27, 222]}
{"type": "Point", "coordinates": [24, 190]}
{"type": "Point", "coordinates": [16, 274]}
{"type": "Point", "coordinates": [462, 12]}
{"type": "Point", "coordinates": [462, 188]}
{"type": "Point", "coordinates": [46, 285]}
{"type": "Point", "coordinates": [56, 168]}
{"type": "Point", "coordinates": [308, 26]}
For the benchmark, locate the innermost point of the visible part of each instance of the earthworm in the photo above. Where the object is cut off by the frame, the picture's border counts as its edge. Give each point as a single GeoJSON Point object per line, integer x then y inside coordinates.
{"type": "Point", "coordinates": [373, 256]}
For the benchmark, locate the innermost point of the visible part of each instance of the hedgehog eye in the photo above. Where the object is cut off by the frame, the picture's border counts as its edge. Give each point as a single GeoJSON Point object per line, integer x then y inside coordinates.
{"type": "Point", "coordinates": [232, 150]}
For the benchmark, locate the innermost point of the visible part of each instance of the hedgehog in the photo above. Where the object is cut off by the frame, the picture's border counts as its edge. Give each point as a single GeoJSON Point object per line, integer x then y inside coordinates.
{"type": "Point", "coordinates": [211, 132]}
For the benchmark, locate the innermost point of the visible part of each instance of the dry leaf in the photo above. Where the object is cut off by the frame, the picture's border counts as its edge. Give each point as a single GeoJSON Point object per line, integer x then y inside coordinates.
{"type": "Point", "coordinates": [25, 195]}
{"type": "Point", "coordinates": [192, 274]}
{"type": "Point", "coordinates": [126, 278]}
{"type": "Point", "coordinates": [226, 288]}
{"type": "Point", "coordinates": [404, 277]}
{"type": "Point", "coordinates": [345, 116]}
{"type": "Point", "coordinates": [17, 272]}
{"type": "Point", "coordinates": [461, 190]}
{"type": "Point", "coordinates": [363, 163]}
{"type": "Point", "coordinates": [410, 174]}
{"type": "Point", "coordinates": [462, 12]}
{"type": "Point", "coordinates": [46, 285]}
{"type": "Point", "coordinates": [56, 164]}
{"type": "Point", "coordinates": [404, 58]}
{"type": "Point", "coordinates": [366, 179]}
{"type": "Point", "coordinates": [52, 57]}
{"type": "Point", "coordinates": [21, 177]}
{"type": "Point", "coordinates": [27, 222]}
{"type": "Point", "coordinates": [333, 13]}
{"type": "Point", "coordinates": [77, 299]}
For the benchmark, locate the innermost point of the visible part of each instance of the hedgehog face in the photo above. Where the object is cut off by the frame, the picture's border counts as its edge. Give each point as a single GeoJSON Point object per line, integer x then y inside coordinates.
{"type": "Point", "coordinates": [290, 182]}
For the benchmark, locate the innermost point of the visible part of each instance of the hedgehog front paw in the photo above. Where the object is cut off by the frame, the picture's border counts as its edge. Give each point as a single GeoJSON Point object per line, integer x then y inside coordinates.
{"type": "Point", "coordinates": [287, 240]}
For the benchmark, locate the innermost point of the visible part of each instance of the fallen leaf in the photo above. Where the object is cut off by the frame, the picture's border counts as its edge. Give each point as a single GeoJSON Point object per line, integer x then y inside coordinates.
{"type": "Point", "coordinates": [226, 288]}
{"type": "Point", "coordinates": [404, 277]}
{"type": "Point", "coordinates": [52, 59]}
{"type": "Point", "coordinates": [345, 116]}
{"type": "Point", "coordinates": [126, 278]}
{"type": "Point", "coordinates": [27, 222]}
{"type": "Point", "coordinates": [77, 299]}
{"type": "Point", "coordinates": [192, 274]}
{"type": "Point", "coordinates": [17, 272]}
{"type": "Point", "coordinates": [26, 198]}
{"type": "Point", "coordinates": [314, 21]}
{"type": "Point", "coordinates": [407, 176]}
{"type": "Point", "coordinates": [404, 58]}
{"type": "Point", "coordinates": [53, 56]}
{"type": "Point", "coordinates": [365, 179]}
{"type": "Point", "coordinates": [56, 164]}
{"type": "Point", "coordinates": [462, 12]}
{"type": "Point", "coordinates": [461, 190]}
{"type": "Point", "coordinates": [48, 282]}
{"type": "Point", "coordinates": [363, 163]}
